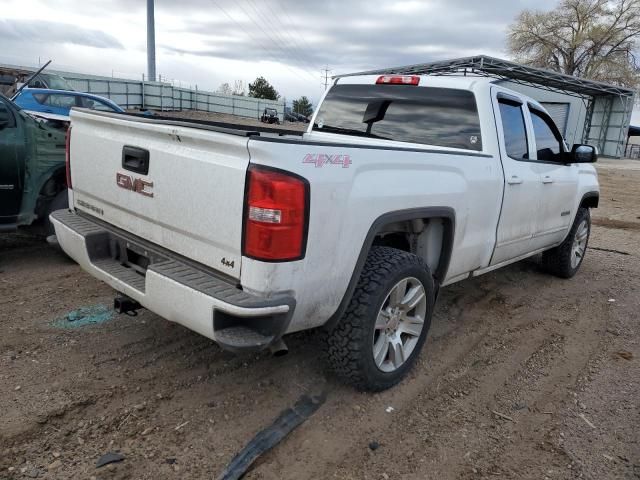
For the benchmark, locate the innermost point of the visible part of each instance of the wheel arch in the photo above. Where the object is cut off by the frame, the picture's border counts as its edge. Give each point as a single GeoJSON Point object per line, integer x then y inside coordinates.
{"type": "Point", "coordinates": [50, 185]}
{"type": "Point", "coordinates": [447, 214]}
{"type": "Point", "coordinates": [590, 200]}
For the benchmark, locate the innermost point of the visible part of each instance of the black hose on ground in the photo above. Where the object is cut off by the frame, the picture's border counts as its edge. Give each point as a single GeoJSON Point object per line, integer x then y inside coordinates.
{"type": "Point", "coordinates": [266, 439]}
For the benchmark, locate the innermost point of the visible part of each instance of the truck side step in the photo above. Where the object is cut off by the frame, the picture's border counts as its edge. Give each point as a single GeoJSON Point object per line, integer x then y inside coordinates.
{"type": "Point", "coordinates": [242, 338]}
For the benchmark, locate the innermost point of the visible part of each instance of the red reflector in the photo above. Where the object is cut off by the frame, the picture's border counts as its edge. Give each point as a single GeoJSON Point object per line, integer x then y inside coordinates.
{"type": "Point", "coordinates": [276, 212]}
{"type": "Point", "coordinates": [67, 156]}
{"type": "Point", "coordinates": [398, 80]}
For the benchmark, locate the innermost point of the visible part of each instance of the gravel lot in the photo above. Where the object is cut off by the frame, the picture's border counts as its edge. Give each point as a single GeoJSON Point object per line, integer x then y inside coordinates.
{"type": "Point", "coordinates": [523, 376]}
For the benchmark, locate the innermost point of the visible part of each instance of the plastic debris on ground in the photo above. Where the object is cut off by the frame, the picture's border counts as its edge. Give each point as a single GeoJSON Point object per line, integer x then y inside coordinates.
{"type": "Point", "coordinates": [83, 316]}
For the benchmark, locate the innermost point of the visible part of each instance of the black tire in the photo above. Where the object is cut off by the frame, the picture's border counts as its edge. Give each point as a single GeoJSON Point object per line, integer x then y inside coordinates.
{"type": "Point", "coordinates": [558, 260]}
{"type": "Point", "coordinates": [349, 345]}
{"type": "Point", "coordinates": [59, 202]}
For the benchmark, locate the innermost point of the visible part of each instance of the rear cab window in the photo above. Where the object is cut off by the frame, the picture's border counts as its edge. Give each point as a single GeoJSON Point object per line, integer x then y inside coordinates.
{"type": "Point", "coordinates": [436, 116]}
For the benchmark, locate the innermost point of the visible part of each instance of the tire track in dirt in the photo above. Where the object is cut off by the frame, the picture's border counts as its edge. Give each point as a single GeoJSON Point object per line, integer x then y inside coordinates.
{"type": "Point", "coordinates": [494, 356]}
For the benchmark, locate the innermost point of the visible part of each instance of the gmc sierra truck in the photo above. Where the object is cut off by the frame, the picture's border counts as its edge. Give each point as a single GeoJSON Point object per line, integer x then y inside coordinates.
{"type": "Point", "coordinates": [401, 185]}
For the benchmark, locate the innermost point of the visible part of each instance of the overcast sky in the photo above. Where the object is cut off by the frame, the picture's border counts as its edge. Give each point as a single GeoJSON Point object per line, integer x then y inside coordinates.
{"type": "Point", "coordinates": [207, 42]}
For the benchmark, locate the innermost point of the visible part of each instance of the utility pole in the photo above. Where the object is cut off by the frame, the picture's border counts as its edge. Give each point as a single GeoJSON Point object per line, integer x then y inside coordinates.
{"type": "Point", "coordinates": [151, 42]}
{"type": "Point", "coordinates": [326, 76]}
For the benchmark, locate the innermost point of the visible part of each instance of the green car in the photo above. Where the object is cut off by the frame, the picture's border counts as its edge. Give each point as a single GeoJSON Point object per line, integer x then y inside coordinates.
{"type": "Point", "coordinates": [32, 170]}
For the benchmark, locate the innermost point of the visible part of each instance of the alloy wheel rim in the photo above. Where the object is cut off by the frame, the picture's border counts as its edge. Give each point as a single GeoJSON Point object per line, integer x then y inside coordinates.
{"type": "Point", "coordinates": [579, 244]}
{"type": "Point", "coordinates": [399, 324]}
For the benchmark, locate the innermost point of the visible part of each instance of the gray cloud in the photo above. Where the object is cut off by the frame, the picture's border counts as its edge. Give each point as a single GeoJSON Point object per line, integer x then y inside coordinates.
{"type": "Point", "coordinates": [346, 35]}
{"type": "Point", "coordinates": [197, 39]}
{"type": "Point", "coordinates": [40, 31]}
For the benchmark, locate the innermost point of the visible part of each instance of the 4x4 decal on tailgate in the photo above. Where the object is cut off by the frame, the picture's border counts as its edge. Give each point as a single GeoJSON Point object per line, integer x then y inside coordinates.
{"type": "Point", "coordinates": [320, 159]}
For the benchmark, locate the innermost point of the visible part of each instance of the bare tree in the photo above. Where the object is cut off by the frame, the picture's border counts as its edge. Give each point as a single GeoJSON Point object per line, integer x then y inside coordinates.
{"type": "Point", "coordinates": [224, 89]}
{"type": "Point", "coordinates": [239, 88]}
{"type": "Point", "coordinates": [595, 39]}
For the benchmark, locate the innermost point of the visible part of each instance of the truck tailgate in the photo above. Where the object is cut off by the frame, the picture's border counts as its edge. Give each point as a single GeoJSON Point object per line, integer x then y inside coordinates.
{"type": "Point", "coordinates": [191, 199]}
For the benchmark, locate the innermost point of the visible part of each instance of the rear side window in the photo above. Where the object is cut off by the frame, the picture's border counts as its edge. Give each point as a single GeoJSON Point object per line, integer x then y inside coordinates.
{"type": "Point", "coordinates": [55, 100]}
{"type": "Point", "coordinates": [95, 104]}
{"type": "Point", "coordinates": [515, 132]}
{"type": "Point", "coordinates": [41, 98]}
{"type": "Point", "coordinates": [433, 116]}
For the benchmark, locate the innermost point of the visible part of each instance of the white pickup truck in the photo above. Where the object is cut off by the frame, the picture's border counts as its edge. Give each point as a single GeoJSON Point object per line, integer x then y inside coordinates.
{"type": "Point", "coordinates": [401, 185]}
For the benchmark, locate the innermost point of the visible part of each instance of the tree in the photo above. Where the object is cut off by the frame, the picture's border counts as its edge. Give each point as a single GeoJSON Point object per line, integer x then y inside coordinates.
{"type": "Point", "coordinates": [224, 89]}
{"type": "Point", "coordinates": [239, 89]}
{"type": "Point", "coordinates": [260, 88]}
{"type": "Point", "coordinates": [593, 39]}
{"type": "Point", "coordinates": [303, 106]}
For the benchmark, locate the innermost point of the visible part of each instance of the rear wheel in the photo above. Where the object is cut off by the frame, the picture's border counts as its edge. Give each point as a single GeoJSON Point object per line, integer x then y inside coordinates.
{"type": "Point", "coordinates": [565, 259]}
{"type": "Point", "coordinates": [380, 336]}
{"type": "Point", "coordinates": [59, 202]}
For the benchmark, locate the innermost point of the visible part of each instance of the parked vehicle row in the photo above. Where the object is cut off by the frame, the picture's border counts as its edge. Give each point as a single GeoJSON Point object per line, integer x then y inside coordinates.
{"type": "Point", "coordinates": [32, 169]}
{"type": "Point", "coordinates": [56, 104]}
{"type": "Point", "coordinates": [33, 126]}
{"type": "Point", "coordinates": [400, 186]}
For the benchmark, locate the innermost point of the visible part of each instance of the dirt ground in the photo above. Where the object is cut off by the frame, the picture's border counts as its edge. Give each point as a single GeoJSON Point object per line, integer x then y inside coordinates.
{"type": "Point", "coordinates": [524, 376]}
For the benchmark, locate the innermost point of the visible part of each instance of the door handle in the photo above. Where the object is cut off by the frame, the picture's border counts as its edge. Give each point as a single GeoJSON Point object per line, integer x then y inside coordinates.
{"type": "Point", "coordinates": [135, 159]}
{"type": "Point", "coordinates": [514, 180]}
{"type": "Point", "coordinates": [547, 179]}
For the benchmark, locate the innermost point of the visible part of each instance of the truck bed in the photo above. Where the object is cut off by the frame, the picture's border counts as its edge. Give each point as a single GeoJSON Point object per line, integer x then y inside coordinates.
{"type": "Point", "coordinates": [222, 127]}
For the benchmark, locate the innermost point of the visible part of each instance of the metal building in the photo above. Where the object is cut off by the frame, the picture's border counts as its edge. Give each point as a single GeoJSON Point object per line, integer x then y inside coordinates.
{"type": "Point", "coordinates": [585, 111]}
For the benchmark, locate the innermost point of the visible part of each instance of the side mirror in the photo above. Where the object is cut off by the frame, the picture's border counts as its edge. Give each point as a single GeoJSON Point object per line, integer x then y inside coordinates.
{"type": "Point", "coordinates": [584, 154]}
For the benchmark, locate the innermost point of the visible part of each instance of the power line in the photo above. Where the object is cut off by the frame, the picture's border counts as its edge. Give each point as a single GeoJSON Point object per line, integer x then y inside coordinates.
{"type": "Point", "coordinates": [283, 49]}
{"type": "Point", "coordinates": [302, 37]}
{"type": "Point", "coordinates": [258, 43]}
{"type": "Point", "coordinates": [281, 31]}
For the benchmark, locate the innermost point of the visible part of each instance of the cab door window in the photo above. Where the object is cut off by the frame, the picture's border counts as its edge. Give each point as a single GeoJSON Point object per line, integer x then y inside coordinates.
{"type": "Point", "coordinates": [515, 131]}
{"type": "Point", "coordinates": [547, 137]}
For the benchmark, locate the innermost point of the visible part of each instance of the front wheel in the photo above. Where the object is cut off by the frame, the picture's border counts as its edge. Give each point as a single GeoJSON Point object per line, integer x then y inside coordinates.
{"type": "Point", "coordinates": [381, 334]}
{"type": "Point", "coordinates": [565, 259]}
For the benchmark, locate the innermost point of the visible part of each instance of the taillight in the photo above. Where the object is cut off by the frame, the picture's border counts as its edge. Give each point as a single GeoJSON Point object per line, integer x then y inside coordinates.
{"type": "Point", "coordinates": [398, 80]}
{"type": "Point", "coordinates": [275, 217]}
{"type": "Point", "coordinates": [67, 156]}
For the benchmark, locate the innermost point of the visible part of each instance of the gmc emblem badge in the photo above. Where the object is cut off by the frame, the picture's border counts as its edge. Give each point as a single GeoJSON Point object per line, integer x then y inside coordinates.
{"type": "Point", "coordinates": [134, 184]}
